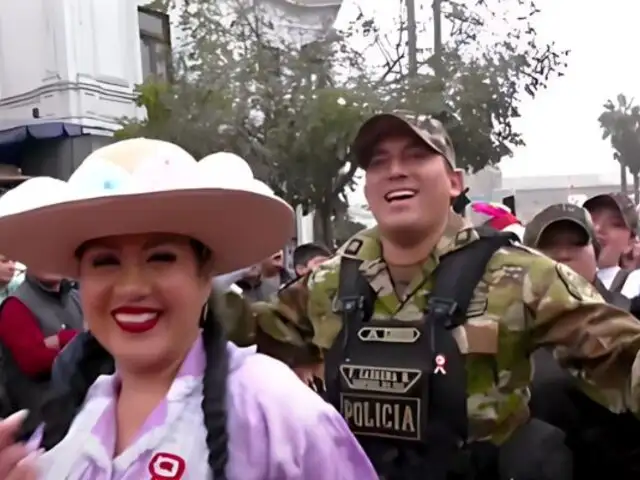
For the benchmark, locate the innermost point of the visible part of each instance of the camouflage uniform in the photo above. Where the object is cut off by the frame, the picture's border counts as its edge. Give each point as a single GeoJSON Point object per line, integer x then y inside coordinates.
{"type": "Point", "coordinates": [240, 317]}
{"type": "Point", "coordinates": [524, 301]}
{"type": "Point", "coordinates": [237, 317]}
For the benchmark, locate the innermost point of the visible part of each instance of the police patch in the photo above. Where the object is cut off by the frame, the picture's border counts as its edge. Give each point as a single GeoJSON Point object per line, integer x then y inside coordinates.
{"type": "Point", "coordinates": [354, 247]}
{"type": "Point", "coordinates": [576, 285]}
{"type": "Point", "coordinates": [389, 334]}
{"type": "Point", "coordinates": [382, 416]}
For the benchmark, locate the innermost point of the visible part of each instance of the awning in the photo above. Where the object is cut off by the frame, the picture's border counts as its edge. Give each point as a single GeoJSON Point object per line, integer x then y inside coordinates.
{"type": "Point", "coordinates": [38, 131]}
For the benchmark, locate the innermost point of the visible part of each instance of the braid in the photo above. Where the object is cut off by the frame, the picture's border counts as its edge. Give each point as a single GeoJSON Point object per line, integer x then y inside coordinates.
{"type": "Point", "coordinates": [214, 390]}
{"type": "Point", "coordinates": [59, 410]}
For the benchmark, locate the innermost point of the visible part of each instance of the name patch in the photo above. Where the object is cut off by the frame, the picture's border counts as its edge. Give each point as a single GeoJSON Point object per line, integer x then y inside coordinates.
{"type": "Point", "coordinates": [382, 416]}
{"type": "Point", "coordinates": [375, 379]}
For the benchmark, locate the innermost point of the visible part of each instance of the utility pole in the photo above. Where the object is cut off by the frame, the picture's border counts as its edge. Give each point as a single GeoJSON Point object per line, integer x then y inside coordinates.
{"type": "Point", "coordinates": [437, 37]}
{"type": "Point", "coordinates": [412, 38]}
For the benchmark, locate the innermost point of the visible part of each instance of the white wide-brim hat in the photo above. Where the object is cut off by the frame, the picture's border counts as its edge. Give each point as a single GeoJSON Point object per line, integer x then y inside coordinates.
{"type": "Point", "coordinates": [143, 186]}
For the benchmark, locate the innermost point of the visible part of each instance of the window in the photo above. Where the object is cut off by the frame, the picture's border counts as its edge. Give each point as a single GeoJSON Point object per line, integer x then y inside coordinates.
{"type": "Point", "coordinates": [155, 44]}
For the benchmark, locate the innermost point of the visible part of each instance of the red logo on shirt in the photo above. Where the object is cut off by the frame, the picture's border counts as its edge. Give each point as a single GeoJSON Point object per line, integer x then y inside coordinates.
{"type": "Point", "coordinates": [166, 466]}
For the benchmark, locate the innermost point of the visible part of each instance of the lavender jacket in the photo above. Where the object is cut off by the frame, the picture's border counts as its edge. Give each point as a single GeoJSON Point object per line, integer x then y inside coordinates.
{"type": "Point", "coordinates": [278, 430]}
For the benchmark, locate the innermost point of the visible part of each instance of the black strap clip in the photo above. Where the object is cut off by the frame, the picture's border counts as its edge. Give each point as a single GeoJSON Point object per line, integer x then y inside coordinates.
{"type": "Point", "coordinates": [352, 304]}
{"type": "Point", "coordinates": [444, 309]}
{"type": "Point", "coordinates": [354, 307]}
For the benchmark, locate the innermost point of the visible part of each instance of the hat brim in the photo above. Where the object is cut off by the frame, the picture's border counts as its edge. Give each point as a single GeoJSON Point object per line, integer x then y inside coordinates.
{"type": "Point", "coordinates": [240, 227]}
{"type": "Point", "coordinates": [609, 199]}
{"type": "Point", "coordinates": [571, 220]}
{"type": "Point", "coordinates": [381, 126]}
{"type": "Point", "coordinates": [10, 180]}
{"type": "Point", "coordinates": [603, 197]}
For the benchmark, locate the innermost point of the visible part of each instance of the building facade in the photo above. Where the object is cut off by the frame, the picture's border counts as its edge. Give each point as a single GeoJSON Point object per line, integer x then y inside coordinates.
{"type": "Point", "coordinates": [535, 193]}
{"type": "Point", "coordinates": [68, 72]}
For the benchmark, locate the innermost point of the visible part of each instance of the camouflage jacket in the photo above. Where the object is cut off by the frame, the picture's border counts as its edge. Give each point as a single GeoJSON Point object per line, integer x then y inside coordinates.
{"type": "Point", "coordinates": [528, 301]}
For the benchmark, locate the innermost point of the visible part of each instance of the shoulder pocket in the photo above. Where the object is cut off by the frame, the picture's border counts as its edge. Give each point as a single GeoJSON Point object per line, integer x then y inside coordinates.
{"type": "Point", "coordinates": [477, 337]}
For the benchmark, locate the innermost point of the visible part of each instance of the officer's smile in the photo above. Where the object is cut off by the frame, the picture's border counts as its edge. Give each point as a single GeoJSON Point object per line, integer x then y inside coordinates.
{"type": "Point", "coordinates": [399, 195]}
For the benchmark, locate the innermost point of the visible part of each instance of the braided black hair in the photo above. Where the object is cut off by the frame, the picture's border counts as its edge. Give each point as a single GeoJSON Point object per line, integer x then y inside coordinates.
{"type": "Point", "coordinates": [59, 410]}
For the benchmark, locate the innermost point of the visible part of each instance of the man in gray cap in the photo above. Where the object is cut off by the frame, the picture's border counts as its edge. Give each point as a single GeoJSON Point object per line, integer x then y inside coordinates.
{"type": "Point", "coordinates": [616, 222]}
{"type": "Point", "coordinates": [565, 233]}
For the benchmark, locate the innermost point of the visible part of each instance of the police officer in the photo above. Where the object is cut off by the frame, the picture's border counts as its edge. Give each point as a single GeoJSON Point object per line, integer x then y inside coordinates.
{"type": "Point", "coordinates": [384, 363]}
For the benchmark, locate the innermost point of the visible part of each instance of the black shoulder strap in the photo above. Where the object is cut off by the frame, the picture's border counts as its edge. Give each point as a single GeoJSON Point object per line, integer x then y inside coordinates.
{"type": "Point", "coordinates": [614, 298]}
{"type": "Point", "coordinates": [456, 278]}
{"type": "Point", "coordinates": [619, 280]}
{"type": "Point", "coordinates": [454, 290]}
{"type": "Point", "coordinates": [355, 295]}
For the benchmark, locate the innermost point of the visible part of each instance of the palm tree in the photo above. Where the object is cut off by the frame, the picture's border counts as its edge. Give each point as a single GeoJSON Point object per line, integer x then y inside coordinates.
{"type": "Point", "coordinates": [621, 124]}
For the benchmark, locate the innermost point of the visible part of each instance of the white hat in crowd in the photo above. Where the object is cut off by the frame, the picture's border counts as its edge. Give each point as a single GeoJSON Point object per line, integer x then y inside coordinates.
{"type": "Point", "coordinates": [142, 186]}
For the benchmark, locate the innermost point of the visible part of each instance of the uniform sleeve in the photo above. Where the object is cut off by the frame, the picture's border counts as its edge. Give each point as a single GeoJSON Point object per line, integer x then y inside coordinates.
{"type": "Point", "coordinates": [302, 315]}
{"type": "Point", "coordinates": [596, 342]}
{"type": "Point", "coordinates": [239, 320]}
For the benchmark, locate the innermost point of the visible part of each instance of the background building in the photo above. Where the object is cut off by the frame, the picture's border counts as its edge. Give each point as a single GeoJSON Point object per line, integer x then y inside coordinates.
{"type": "Point", "coordinates": [535, 193]}
{"type": "Point", "coordinates": [67, 76]}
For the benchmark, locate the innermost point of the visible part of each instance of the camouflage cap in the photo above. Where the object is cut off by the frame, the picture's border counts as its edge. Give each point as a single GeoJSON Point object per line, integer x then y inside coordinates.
{"type": "Point", "coordinates": [427, 129]}
{"type": "Point", "coordinates": [619, 201]}
{"type": "Point", "coordinates": [559, 212]}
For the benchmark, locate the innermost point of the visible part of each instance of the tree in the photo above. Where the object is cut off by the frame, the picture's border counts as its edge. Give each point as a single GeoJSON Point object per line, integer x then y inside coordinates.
{"type": "Point", "coordinates": [345, 228]}
{"type": "Point", "coordinates": [475, 80]}
{"type": "Point", "coordinates": [621, 124]}
{"type": "Point", "coordinates": [278, 104]}
{"type": "Point", "coordinates": [293, 110]}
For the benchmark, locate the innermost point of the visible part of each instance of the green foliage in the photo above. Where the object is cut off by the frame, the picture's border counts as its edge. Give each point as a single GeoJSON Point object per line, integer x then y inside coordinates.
{"type": "Point", "coordinates": [345, 228]}
{"type": "Point", "coordinates": [621, 125]}
{"type": "Point", "coordinates": [478, 83]}
{"type": "Point", "coordinates": [291, 111]}
{"type": "Point", "coordinates": [313, 137]}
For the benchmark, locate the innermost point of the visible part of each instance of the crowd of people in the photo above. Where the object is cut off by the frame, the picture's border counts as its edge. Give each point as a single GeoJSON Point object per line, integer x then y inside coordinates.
{"type": "Point", "coordinates": [143, 342]}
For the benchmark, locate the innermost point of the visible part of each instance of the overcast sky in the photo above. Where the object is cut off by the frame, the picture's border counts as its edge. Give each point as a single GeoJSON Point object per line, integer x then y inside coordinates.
{"type": "Point", "coordinates": [560, 125]}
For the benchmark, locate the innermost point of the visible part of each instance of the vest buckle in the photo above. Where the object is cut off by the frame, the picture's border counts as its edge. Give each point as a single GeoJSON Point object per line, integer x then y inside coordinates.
{"type": "Point", "coordinates": [352, 304]}
{"type": "Point", "coordinates": [443, 308]}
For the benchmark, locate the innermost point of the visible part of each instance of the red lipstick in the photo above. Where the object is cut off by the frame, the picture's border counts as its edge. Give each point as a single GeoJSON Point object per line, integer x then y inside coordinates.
{"type": "Point", "coordinates": [133, 319]}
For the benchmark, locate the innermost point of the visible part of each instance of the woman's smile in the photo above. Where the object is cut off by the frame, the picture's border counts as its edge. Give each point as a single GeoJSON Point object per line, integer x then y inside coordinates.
{"type": "Point", "coordinates": [133, 319]}
{"type": "Point", "coordinates": [132, 285]}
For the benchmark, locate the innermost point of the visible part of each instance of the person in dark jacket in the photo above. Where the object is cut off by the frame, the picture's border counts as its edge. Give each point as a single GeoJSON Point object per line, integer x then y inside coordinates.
{"type": "Point", "coordinates": [603, 443]}
{"type": "Point", "coordinates": [36, 322]}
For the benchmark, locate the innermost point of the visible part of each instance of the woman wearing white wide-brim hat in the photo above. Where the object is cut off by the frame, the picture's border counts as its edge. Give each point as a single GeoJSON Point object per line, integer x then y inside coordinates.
{"type": "Point", "coordinates": [144, 227]}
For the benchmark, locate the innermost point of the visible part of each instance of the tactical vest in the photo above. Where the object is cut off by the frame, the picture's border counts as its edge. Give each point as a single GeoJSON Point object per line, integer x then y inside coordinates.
{"type": "Point", "coordinates": [402, 386]}
{"type": "Point", "coordinates": [54, 311]}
